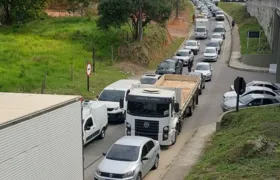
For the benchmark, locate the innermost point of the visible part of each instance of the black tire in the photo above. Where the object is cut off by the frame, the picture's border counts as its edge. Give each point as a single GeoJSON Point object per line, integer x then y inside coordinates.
{"type": "Point", "coordinates": [200, 91]}
{"type": "Point", "coordinates": [156, 163]}
{"type": "Point", "coordinates": [190, 111]}
{"type": "Point", "coordinates": [203, 86]}
{"type": "Point", "coordinates": [139, 177]}
{"type": "Point", "coordinates": [102, 133]}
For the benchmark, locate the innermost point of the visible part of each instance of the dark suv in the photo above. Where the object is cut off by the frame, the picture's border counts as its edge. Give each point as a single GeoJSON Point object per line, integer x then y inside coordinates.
{"type": "Point", "coordinates": [170, 66]}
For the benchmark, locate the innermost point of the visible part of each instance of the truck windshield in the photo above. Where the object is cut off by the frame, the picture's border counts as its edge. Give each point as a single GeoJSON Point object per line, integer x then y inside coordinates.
{"type": "Point", "coordinates": [147, 109]}
{"type": "Point", "coordinates": [111, 95]}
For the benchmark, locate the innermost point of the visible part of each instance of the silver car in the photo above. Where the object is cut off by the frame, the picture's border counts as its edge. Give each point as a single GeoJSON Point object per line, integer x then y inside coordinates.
{"type": "Point", "coordinates": [251, 100]}
{"type": "Point", "coordinates": [250, 90]}
{"type": "Point", "coordinates": [204, 68]}
{"type": "Point", "coordinates": [267, 84]}
{"type": "Point", "coordinates": [129, 158]}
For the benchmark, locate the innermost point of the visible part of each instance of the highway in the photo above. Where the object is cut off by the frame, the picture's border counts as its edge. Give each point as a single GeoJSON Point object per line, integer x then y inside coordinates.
{"type": "Point", "coordinates": [206, 112]}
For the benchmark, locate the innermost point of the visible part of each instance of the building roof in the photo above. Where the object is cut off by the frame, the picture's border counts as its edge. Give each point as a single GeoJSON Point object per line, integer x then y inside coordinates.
{"type": "Point", "coordinates": [16, 106]}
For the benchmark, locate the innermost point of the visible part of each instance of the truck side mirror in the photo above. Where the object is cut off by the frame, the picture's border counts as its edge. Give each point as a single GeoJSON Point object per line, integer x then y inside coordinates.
{"type": "Point", "coordinates": [97, 97]}
{"type": "Point", "coordinates": [176, 107]}
{"type": "Point", "coordinates": [121, 103]}
{"type": "Point", "coordinates": [104, 154]}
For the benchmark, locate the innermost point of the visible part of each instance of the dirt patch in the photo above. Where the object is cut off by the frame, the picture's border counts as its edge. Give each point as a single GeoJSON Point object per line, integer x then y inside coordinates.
{"type": "Point", "coordinates": [130, 68]}
{"type": "Point", "coordinates": [62, 13]}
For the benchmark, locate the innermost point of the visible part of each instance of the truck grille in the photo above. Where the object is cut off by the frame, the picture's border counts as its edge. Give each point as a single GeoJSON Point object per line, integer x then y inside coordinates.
{"type": "Point", "coordinates": [147, 128]}
{"type": "Point", "coordinates": [111, 175]}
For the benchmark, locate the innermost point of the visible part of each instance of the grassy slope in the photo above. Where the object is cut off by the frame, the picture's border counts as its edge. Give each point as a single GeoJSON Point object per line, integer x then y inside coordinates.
{"type": "Point", "coordinates": [246, 23]}
{"type": "Point", "coordinates": [229, 155]}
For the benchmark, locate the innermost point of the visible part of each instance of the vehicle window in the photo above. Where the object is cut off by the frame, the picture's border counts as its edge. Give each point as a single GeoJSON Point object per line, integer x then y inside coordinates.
{"type": "Point", "coordinates": [148, 109]}
{"type": "Point", "coordinates": [246, 99]}
{"type": "Point", "coordinates": [216, 36]}
{"type": "Point", "coordinates": [111, 95]}
{"type": "Point", "coordinates": [270, 93]}
{"type": "Point", "coordinates": [191, 43]}
{"type": "Point", "coordinates": [182, 53]}
{"type": "Point", "coordinates": [257, 92]}
{"type": "Point", "coordinates": [200, 29]}
{"type": "Point", "coordinates": [267, 101]}
{"type": "Point", "coordinates": [219, 30]}
{"type": "Point", "coordinates": [202, 67]}
{"type": "Point", "coordinates": [89, 123]}
{"type": "Point", "coordinates": [270, 86]}
{"type": "Point", "coordinates": [123, 153]}
{"type": "Point", "coordinates": [256, 102]}
{"type": "Point", "coordinates": [150, 145]}
{"type": "Point", "coordinates": [260, 85]}
{"type": "Point", "coordinates": [167, 65]}
{"type": "Point", "coordinates": [148, 80]}
{"type": "Point", "coordinates": [210, 51]}
{"type": "Point", "coordinates": [213, 44]}
{"type": "Point", "coordinates": [144, 151]}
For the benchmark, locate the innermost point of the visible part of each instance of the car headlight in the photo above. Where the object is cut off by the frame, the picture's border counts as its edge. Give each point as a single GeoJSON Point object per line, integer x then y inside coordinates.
{"type": "Point", "coordinates": [166, 128]}
{"type": "Point", "coordinates": [208, 74]}
{"type": "Point", "coordinates": [128, 174]}
{"type": "Point", "coordinates": [98, 171]}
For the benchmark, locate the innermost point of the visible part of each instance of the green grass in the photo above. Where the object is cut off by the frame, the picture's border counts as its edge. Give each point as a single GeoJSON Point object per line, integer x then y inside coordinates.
{"type": "Point", "coordinates": [28, 51]}
{"type": "Point", "coordinates": [246, 23]}
{"type": "Point", "coordinates": [232, 155]}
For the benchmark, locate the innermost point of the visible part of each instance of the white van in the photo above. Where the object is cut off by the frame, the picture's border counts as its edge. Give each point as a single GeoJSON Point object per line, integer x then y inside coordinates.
{"type": "Point", "coordinates": [201, 32]}
{"type": "Point", "coordinates": [95, 120]}
{"type": "Point", "coordinates": [112, 94]}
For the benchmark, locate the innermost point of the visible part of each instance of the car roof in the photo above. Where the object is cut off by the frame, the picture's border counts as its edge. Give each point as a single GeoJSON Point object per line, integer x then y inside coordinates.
{"type": "Point", "coordinates": [210, 48]}
{"type": "Point", "coordinates": [253, 88]}
{"type": "Point", "coordinates": [151, 76]}
{"type": "Point", "coordinates": [184, 50]}
{"type": "Point", "coordinates": [191, 41]}
{"type": "Point", "coordinates": [213, 41]}
{"type": "Point", "coordinates": [262, 82]}
{"type": "Point", "coordinates": [132, 140]}
{"type": "Point", "coordinates": [122, 84]}
{"type": "Point", "coordinates": [203, 63]}
{"type": "Point", "coordinates": [217, 34]}
{"type": "Point", "coordinates": [255, 96]}
{"type": "Point", "coordinates": [169, 60]}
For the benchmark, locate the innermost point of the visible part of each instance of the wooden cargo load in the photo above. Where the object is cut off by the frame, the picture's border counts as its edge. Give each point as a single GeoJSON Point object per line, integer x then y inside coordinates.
{"type": "Point", "coordinates": [187, 84]}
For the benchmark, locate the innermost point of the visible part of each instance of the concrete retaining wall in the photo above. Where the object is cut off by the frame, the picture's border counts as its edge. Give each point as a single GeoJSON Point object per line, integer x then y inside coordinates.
{"type": "Point", "coordinates": [259, 60]}
{"type": "Point", "coordinates": [263, 10]}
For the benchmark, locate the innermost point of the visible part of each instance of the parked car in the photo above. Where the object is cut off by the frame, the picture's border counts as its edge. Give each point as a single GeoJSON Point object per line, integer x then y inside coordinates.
{"type": "Point", "coordinates": [203, 80]}
{"type": "Point", "coordinates": [215, 44]}
{"type": "Point", "coordinates": [210, 54]}
{"type": "Point", "coordinates": [150, 78]}
{"type": "Point", "coordinates": [130, 158]}
{"type": "Point", "coordinates": [262, 84]}
{"type": "Point", "coordinates": [170, 66]}
{"type": "Point", "coordinates": [250, 90]}
{"type": "Point", "coordinates": [204, 68]}
{"type": "Point", "coordinates": [217, 37]}
{"type": "Point", "coordinates": [185, 56]}
{"type": "Point", "coordinates": [221, 30]}
{"type": "Point", "coordinates": [251, 100]}
{"type": "Point", "coordinates": [193, 45]}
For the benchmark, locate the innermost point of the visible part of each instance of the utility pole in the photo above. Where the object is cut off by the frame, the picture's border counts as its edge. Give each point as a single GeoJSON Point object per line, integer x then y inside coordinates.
{"type": "Point", "coordinates": [140, 28]}
{"type": "Point", "coordinates": [177, 9]}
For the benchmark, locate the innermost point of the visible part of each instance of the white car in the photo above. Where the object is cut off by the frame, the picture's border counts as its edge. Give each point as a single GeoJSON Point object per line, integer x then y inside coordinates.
{"type": "Point", "coordinates": [250, 90]}
{"type": "Point", "coordinates": [210, 54]}
{"type": "Point", "coordinates": [217, 37]}
{"type": "Point", "coordinates": [185, 56]}
{"type": "Point", "coordinates": [129, 158]}
{"type": "Point", "coordinates": [267, 84]}
{"type": "Point", "coordinates": [193, 45]}
{"type": "Point", "coordinates": [204, 68]}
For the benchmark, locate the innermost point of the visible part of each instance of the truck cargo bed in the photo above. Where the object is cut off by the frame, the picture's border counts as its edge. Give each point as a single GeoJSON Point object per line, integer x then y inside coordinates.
{"type": "Point", "coordinates": [186, 83]}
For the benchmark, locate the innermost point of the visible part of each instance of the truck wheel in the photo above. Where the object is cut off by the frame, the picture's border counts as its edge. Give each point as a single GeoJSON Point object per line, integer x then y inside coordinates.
{"type": "Point", "coordinates": [190, 111]}
{"type": "Point", "coordinates": [102, 134]}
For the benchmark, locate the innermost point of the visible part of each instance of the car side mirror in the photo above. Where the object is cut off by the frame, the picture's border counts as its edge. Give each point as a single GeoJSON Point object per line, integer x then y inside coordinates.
{"type": "Point", "coordinates": [104, 154]}
{"type": "Point", "coordinates": [176, 107]}
{"type": "Point", "coordinates": [121, 103]}
{"type": "Point", "coordinates": [144, 158]}
{"type": "Point", "coordinates": [87, 128]}
{"type": "Point", "coordinates": [97, 97]}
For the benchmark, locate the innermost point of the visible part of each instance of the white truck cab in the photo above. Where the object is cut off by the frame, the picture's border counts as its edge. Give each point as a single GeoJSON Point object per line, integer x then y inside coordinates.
{"type": "Point", "coordinates": [111, 96]}
{"type": "Point", "coordinates": [95, 120]}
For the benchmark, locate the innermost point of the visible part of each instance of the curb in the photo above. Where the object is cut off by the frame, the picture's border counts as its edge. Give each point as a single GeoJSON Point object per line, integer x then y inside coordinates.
{"type": "Point", "coordinates": [234, 67]}
{"type": "Point", "coordinates": [220, 119]}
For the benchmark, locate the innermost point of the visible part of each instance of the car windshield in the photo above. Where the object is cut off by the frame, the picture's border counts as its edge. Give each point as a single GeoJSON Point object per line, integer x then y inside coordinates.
{"type": "Point", "coordinates": [219, 30]}
{"type": "Point", "coordinates": [202, 67]}
{"type": "Point", "coordinates": [246, 99]}
{"type": "Point", "coordinates": [213, 44]}
{"type": "Point", "coordinates": [200, 29]}
{"type": "Point", "coordinates": [148, 109]}
{"type": "Point", "coordinates": [111, 95]}
{"type": "Point", "coordinates": [191, 43]}
{"type": "Point", "coordinates": [216, 36]}
{"type": "Point", "coordinates": [148, 80]}
{"type": "Point", "coordinates": [220, 12]}
{"type": "Point", "coordinates": [210, 51]}
{"type": "Point", "coordinates": [167, 65]}
{"type": "Point", "coordinates": [123, 153]}
{"type": "Point", "coordinates": [182, 53]}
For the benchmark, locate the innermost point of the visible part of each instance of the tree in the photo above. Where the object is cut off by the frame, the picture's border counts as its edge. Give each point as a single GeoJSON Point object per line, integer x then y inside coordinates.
{"type": "Point", "coordinates": [75, 5]}
{"type": "Point", "coordinates": [21, 10]}
{"type": "Point", "coordinates": [119, 12]}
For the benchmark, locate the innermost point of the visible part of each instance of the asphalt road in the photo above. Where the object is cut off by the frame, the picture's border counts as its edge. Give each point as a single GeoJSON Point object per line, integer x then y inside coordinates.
{"type": "Point", "coordinates": [207, 111]}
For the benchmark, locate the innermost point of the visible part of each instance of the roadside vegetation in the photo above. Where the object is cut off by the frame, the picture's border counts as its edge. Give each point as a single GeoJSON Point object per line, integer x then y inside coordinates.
{"type": "Point", "coordinates": [247, 23]}
{"type": "Point", "coordinates": [55, 51]}
{"type": "Point", "coordinates": [246, 147]}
